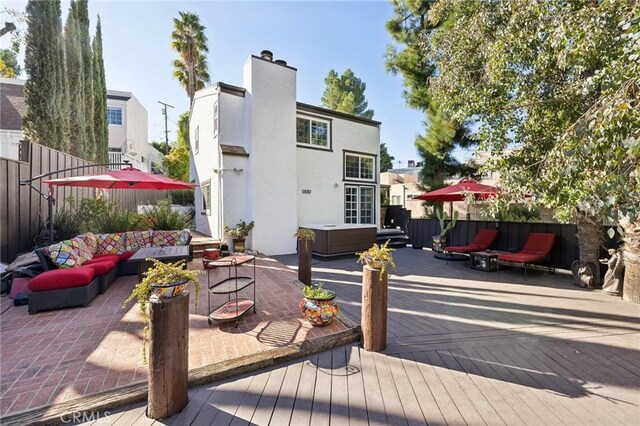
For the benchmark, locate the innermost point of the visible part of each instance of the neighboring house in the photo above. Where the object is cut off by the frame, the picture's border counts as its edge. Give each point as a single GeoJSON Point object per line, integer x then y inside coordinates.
{"type": "Point", "coordinates": [402, 184]}
{"type": "Point", "coordinates": [258, 154]}
{"type": "Point", "coordinates": [128, 129]}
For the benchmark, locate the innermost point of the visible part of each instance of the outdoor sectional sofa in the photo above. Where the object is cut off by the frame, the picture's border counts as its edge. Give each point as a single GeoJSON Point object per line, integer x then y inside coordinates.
{"type": "Point", "coordinates": [77, 270]}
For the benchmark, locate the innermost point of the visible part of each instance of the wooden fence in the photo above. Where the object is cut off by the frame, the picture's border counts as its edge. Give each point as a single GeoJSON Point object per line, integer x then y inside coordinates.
{"type": "Point", "coordinates": [513, 235]}
{"type": "Point", "coordinates": [23, 212]}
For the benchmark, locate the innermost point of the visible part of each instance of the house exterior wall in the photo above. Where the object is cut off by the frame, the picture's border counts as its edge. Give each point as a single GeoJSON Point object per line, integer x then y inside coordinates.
{"type": "Point", "coordinates": [204, 160]}
{"type": "Point", "coordinates": [322, 171]}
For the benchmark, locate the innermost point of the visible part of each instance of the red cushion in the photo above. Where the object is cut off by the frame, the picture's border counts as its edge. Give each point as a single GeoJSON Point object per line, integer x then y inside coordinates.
{"type": "Point", "coordinates": [539, 243]}
{"type": "Point", "coordinates": [484, 238]}
{"type": "Point", "coordinates": [102, 268]}
{"type": "Point", "coordinates": [62, 278]}
{"type": "Point", "coordinates": [126, 255]}
{"type": "Point", "coordinates": [522, 257]}
{"type": "Point", "coordinates": [465, 249]}
{"type": "Point", "coordinates": [102, 257]}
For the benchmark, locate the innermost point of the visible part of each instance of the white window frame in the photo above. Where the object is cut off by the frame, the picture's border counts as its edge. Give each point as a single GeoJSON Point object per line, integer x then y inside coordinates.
{"type": "Point", "coordinates": [121, 115]}
{"type": "Point", "coordinates": [310, 119]}
{"type": "Point", "coordinates": [216, 119]}
{"type": "Point", "coordinates": [360, 157]}
{"type": "Point", "coordinates": [206, 207]}
{"type": "Point", "coordinates": [196, 142]}
{"type": "Point", "coordinates": [359, 194]}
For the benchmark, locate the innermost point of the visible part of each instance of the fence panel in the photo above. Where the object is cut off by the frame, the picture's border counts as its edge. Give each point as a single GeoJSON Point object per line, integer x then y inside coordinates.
{"type": "Point", "coordinates": [23, 212]}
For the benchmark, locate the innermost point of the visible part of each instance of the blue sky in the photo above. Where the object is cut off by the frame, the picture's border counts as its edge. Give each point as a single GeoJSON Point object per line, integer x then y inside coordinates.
{"type": "Point", "coordinates": [313, 36]}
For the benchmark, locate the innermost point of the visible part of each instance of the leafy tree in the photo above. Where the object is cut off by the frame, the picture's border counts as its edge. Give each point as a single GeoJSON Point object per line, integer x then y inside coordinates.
{"type": "Point", "coordinates": [559, 81]}
{"type": "Point", "coordinates": [410, 28]}
{"type": "Point", "coordinates": [176, 163]}
{"type": "Point", "coordinates": [159, 145]}
{"type": "Point", "coordinates": [9, 66]}
{"type": "Point", "coordinates": [345, 93]}
{"type": "Point", "coordinates": [75, 74]}
{"type": "Point", "coordinates": [46, 119]}
{"type": "Point", "coordinates": [100, 124]}
{"type": "Point", "coordinates": [189, 41]}
{"type": "Point", "coordinates": [386, 160]}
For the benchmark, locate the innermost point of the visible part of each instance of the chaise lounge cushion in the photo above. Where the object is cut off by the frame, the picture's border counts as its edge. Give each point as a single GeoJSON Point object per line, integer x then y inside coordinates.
{"type": "Point", "coordinates": [62, 278]}
{"type": "Point", "coordinates": [482, 241]}
{"type": "Point", "coordinates": [536, 249]}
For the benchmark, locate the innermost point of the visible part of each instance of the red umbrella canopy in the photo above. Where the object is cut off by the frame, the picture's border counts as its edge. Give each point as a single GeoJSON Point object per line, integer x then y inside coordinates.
{"type": "Point", "coordinates": [128, 178]}
{"type": "Point", "coordinates": [456, 192]}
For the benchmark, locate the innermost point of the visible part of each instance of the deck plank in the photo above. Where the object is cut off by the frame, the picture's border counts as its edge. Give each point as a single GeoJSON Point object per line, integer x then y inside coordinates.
{"type": "Point", "coordinates": [428, 406]}
{"type": "Point", "coordinates": [375, 404]}
{"type": "Point", "coordinates": [355, 384]}
{"type": "Point", "coordinates": [321, 410]}
{"type": "Point", "coordinates": [269, 397]}
{"type": "Point", "coordinates": [411, 407]}
{"type": "Point", "coordinates": [284, 406]}
{"type": "Point", "coordinates": [339, 387]}
{"type": "Point", "coordinates": [303, 404]}
{"type": "Point", "coordinates": [250, 399]}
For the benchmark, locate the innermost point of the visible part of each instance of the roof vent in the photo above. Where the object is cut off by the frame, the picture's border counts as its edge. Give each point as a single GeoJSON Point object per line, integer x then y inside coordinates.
{"type": "Point", "coordinates": [280, 62]}
{"type": "Point", "coordinates": [266, 55]}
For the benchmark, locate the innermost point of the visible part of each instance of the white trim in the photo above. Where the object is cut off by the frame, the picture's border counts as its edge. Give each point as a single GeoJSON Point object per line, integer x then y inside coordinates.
{"type": "Point", "coordinates": [360, 157]}
{"type": "Point", "coordinates": [122, 114]}
{"type": "Point", "coordinates": [317, 119]}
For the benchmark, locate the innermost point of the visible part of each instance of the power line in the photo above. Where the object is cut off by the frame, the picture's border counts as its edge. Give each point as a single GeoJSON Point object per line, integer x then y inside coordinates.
{"type": "Point", "coordinates": [166, 130]}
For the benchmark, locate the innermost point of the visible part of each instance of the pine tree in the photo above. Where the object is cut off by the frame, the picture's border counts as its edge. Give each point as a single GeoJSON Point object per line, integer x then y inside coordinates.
{"type": "Point", "coordinates": [101, 127]}
{"type": "Point", "coordinates": [75, 73]}
{"type": "Point", "coordinates": [82, 15]}
{"type": "Point", "coordinates": [45, 121]}
{"type": "Point", "coordinates": [345, 93]}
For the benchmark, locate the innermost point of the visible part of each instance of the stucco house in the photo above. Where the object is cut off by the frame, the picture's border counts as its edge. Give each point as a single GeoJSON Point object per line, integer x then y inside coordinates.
{"type": "Point", "coordinates": [258, 154]}
{"type": "Point", "coordinates": [127, 118]}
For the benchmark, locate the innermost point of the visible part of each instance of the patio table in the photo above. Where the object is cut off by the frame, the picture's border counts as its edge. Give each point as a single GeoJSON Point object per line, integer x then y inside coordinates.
{"type": "Point", "coordinates": [485, 260]}
{"type": "Point", "coordinates": [163, 254]}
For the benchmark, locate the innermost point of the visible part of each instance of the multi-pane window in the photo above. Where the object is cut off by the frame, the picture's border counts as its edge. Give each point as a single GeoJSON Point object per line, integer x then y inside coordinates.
{"type": "Point", "coordinates": [206, 198]}
{"type": "Point", "coordinates": [358, 204]}
{"type": "Point", "coordinates": [360, 167]}
{"type": "Point", "coordinates": [114, 116]}
{"type": "Point", "coordinates": [312, 132]}
{"type": "Point", "coordinates": [396, 200]}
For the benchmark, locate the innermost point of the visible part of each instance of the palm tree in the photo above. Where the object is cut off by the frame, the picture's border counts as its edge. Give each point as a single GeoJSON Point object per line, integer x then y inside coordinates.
{"type": "Point", "coordinates": [201, 72]}
{"type": "Point", "coordinates": [189, 41]}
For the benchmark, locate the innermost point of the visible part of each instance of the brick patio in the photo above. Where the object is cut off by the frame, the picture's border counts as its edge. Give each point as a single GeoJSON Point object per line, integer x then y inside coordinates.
{"type": "Point", "coordinates": [60, 355]}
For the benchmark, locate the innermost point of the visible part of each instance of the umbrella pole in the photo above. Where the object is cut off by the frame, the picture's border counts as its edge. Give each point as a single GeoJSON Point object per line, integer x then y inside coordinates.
{"type": "Point", "coordinates": [50, 202]}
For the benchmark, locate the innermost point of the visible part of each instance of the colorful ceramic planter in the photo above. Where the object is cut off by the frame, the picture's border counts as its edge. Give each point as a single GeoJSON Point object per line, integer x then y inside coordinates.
{"type": "Point", "coordinates": [319, 312]}
{"type": "Point", "coordinates": [169, 290]}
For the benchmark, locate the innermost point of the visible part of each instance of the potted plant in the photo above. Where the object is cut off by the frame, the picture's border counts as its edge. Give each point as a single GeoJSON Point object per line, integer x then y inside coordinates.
{"type": "Point", "coordinates": [305, 237]}
{"type": "Point", "coordinates": [318, 306]}
{"type": "Point", "coordinates": [239, 234]}
{"type": "Point", "coordinates": [440, 241]}
{"type": "Point", "coordinates": [377, 257]}
{"type": "Point", "coordinates": [162, 280]}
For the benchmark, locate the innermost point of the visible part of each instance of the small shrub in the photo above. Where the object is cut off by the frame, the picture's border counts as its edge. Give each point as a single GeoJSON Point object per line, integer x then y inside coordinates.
{"type": "Point", "coordinates": [182, 197]}
{"type": "Point", "coordinates": [317, 292]}
{"type": "Point", "coordinates": [116, 220]}
{"type": "Point", "coordinates": [67, 223]}
{"type": "Point", "coordinates": [162, 217]}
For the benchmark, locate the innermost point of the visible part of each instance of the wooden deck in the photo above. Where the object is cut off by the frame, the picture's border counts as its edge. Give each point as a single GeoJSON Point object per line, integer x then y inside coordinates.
{"type": "Point", "coordinates": [465, 347]}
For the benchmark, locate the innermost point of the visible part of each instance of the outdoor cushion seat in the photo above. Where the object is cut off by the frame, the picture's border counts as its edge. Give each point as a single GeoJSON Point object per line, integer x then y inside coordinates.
{"type": "Point", "coordinates": [483, 240]}
{"type": "Point", "coordinates": [63, 288]}
{"type": "Point", "coordinates": [536, 249]}
{"type": "Point", "coordinates": [126, 255]}
{"type": "Point", "coordinates": [58, 279]}
{"type": "Point", "coordinates": [102, 267]}
{"type": "Point", "coordinates": [102, 257]}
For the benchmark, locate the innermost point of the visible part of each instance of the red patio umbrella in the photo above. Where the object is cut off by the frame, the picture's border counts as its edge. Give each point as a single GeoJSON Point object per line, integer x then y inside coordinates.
{"type": "Point", "coordinates": [128, 178]}
{"type": "Point", "coordinates": [457, 192]}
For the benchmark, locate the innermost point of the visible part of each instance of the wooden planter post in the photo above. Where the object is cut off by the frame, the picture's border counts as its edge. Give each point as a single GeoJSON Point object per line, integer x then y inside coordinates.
{"type": "Point", "coordinates": [304, 261]}
{"type": "Point", "coordinates": [168, 356]}
{"type": "Point", "coordinates": [374, 309]}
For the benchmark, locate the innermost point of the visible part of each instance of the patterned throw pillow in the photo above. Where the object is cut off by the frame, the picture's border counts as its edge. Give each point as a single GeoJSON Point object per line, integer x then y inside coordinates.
{"type": "Point", "coordinates": [81, 248]}
{"type": "Point", "coordinates": [183, 238]}
{"type": "Point", "coordinates": [62, 255]}
{"type": "Point", "coordinates": [111, 243]}
{"type": "Point", "coordinates": [160, 239]}
{"type": "Point", "coordinates": [135, 240]}
{"type": "Point", "coordinates": [91, 240]}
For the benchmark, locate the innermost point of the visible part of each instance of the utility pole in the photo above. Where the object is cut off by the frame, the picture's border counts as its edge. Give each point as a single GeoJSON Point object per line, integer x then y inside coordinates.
{"type": "Point", "coordinates": [166, 130]}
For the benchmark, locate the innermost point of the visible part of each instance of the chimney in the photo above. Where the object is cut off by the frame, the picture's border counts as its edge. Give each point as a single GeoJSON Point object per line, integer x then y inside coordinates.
{"type": "Point", "coordinates": [280, 62]}
{"type": "Point", "coordinates": [266, 55]}
{"type": "Point", "coordinates": [411, 163]}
